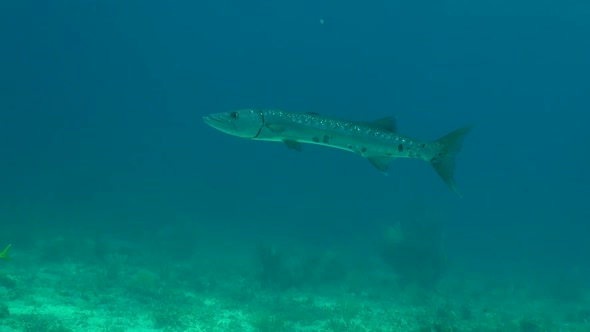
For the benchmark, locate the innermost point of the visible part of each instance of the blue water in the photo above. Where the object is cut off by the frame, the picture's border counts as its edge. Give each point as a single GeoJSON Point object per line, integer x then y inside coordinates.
{"type": "Point", "coordinates": [101, 105]}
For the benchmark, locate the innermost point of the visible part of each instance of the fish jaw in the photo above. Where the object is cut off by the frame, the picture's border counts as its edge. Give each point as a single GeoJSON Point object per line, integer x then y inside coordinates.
{"type": "Point", "coordinates": [244, 123]}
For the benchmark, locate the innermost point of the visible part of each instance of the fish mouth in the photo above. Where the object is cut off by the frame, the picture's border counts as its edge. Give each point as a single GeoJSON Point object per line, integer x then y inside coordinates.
{"type": "Point", "coordinates": [212, 121]}
{"type": "Point", "coordinates": [220, 124]}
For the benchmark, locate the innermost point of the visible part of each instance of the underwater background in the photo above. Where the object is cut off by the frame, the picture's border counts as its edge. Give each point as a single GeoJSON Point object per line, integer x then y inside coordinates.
{"type": "Point", "coordinates": [126, 212]}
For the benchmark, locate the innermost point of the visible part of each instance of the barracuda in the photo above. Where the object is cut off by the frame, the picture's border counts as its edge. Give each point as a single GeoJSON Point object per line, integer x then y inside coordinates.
{"type": "Point", "coordinates": [378, 141]}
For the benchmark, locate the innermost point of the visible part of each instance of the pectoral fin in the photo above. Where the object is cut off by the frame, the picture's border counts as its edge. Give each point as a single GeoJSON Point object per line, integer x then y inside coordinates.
{"type": "Point", "coordinates": [275, 128]}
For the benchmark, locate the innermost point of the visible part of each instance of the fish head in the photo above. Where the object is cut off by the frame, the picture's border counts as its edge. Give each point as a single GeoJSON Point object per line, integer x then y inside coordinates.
{"type": "Point", "coordinates": [242, 123]}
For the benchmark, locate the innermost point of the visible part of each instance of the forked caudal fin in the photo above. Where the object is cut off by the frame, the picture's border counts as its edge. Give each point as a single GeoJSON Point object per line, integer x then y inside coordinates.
{"type": "Point", "coordinates": [444, 161]}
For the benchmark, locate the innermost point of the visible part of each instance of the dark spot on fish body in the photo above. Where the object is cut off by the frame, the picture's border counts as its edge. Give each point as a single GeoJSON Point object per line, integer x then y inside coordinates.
{"type": "Point", "coordinates": [364, 149]}
{"type": "Point", "coordinates": [316, 139]}
{"type": "Point", "coordinates": [326, 139]}
{"type": "Point", "coordinates": [350, 147]}
{"type": "Point", "coordinates": [400, 148]}
{"type": "Point", "coordinates": [423, 145]}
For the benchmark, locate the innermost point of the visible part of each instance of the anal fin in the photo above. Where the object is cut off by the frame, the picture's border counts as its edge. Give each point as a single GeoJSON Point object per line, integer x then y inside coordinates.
{"type": "Point", "coordinates": [381, 163]}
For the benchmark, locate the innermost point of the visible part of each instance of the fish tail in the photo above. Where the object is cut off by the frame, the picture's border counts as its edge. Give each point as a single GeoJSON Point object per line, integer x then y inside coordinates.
{"type": "Point", "coordinates": [444, 161]}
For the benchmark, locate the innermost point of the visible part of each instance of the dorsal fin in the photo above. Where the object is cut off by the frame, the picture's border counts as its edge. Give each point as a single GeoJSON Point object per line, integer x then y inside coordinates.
{"type": "Point", "coordinates": [387, 123]}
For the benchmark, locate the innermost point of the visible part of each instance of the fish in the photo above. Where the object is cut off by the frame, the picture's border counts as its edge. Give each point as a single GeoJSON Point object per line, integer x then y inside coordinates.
{"type": "Point", "coordinates": [378, 141]}
{"type": "Point", "coordinates": [4, 253]}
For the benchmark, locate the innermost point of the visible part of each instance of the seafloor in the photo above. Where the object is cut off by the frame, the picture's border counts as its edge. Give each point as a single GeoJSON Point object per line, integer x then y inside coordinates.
{"type": "Point", "coordinates": [72, 283]}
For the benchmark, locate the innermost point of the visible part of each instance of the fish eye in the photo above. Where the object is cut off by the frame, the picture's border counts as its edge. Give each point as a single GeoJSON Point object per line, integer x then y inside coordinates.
{"type": "Point", "coordinates": [234, 115]}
